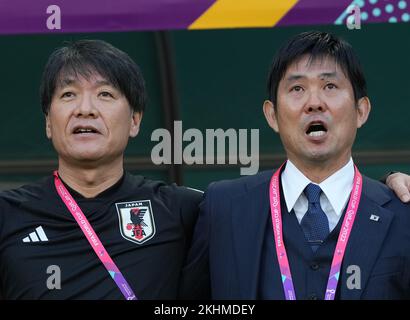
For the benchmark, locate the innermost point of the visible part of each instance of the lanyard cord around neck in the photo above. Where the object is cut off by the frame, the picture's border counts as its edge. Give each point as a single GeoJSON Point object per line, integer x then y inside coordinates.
{"type": "Point", "coordinates": [93, 239]}
{"type": "Point", "coordinates": [287, 282]}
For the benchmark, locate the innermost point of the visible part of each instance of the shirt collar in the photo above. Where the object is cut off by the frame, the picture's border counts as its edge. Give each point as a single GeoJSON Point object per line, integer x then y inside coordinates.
{"type": "Point", "coordinates": [337, 187]}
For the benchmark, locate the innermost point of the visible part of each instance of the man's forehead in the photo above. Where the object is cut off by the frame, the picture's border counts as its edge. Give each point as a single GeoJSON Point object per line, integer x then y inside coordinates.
{"type": "Point", "coordinates": [323, 67]}
{"type": "Point", "coordinates": [95, 79]}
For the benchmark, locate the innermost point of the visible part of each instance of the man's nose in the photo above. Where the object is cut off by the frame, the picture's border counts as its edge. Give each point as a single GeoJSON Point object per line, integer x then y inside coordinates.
{"type": "Point", "coordinates": [86, 107]}
{"type": "Point", "coordinates": [314, 102]}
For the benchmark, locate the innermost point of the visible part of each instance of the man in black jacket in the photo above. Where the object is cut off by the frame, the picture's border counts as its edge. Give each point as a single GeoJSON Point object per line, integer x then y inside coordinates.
{"type": "Point", "coordinates": [93, 98]}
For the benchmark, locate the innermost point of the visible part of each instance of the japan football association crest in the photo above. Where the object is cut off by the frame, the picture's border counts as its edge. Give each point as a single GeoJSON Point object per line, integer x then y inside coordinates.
{"type": "Point", "coordinates": [136, 220]}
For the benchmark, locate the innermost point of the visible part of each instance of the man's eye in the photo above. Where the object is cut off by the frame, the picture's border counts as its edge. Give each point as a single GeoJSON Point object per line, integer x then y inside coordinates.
{"type": "Point", "coordinates": [68, 94]}
{"type": "Point", "coordinates": [297, 89]}
{"type": "Point", "coordinates": [106, 94]}
{"type": "Point", "coordinates": [331, 86]}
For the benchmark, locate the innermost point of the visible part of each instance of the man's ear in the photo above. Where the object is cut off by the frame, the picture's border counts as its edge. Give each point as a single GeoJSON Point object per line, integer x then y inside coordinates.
{"type": "Point", "coordinates": [270, 115]}
{"type": "Point", "coordinates": [363, 111]}
{"type": "Point", "coordinates": [48, 126]}
{"type": "Point", "coordinates": [135, 123]}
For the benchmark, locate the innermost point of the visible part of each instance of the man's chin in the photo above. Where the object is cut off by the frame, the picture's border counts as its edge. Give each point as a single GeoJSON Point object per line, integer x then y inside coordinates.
{"type": "Point", "coordinates": [88, 157]}
{"type": "Point", "coordinates": [319, 156]}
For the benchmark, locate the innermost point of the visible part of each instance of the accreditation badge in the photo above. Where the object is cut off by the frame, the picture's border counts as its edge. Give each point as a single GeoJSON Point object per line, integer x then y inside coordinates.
{"type": "Point", "coordinates": [136, 220]}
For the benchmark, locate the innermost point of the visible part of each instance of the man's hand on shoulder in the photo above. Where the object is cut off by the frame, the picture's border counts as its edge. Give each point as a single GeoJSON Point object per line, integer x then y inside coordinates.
{"type": "Point", "coordinates": [400, 184]}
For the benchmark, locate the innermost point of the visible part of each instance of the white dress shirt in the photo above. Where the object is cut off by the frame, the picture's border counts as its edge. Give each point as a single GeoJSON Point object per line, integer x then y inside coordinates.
{"type": "Point", "coordinates": [336, 191]}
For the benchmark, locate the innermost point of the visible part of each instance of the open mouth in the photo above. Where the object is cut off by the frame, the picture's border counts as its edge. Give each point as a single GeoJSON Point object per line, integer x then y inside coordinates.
{"type": "Point", "coordinates": [85, 130]}
{"type": "Point", "coordinates": [316, 129]}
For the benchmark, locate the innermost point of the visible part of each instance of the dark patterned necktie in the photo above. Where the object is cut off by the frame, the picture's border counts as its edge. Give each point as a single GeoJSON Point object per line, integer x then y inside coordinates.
{"type": "Point", "coordinates": [315, 224]}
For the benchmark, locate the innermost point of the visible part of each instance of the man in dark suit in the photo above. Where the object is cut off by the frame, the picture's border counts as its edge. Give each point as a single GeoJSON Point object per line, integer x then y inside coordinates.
{"type": "Point", "coordinates": [315, 228]}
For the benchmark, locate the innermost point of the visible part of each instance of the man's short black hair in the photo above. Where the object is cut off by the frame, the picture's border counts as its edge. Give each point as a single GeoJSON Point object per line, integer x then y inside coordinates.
{"type": "Point", "coordinates": [317, 45]}
{"type": "Point", "coordinates": [86, 58]}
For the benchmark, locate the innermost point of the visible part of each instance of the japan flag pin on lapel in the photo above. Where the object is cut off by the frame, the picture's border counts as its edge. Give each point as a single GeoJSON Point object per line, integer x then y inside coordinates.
{"type": "Point", "coordinates": [373, 217]}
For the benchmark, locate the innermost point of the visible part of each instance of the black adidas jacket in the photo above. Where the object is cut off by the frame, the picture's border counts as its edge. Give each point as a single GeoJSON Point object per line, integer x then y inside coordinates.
{"type": "Point", "coordinates": [37, 231]}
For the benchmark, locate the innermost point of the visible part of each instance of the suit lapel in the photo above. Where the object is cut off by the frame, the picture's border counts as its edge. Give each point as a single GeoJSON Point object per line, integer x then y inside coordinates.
{"type": "Point", "coordinates": [250, 212]}
{"type": "Point", "coordinates": [366, 238]}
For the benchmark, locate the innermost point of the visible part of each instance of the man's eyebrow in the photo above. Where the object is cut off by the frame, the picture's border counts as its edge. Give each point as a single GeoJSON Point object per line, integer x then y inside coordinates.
{"type": "Point", "coordinates": [104, 83]}
{"type": "Point", "coordinates": [294, 77]}
{"type": "Point", "coordinates": [67, 82]}
{"type": "Point", "coordinates": [64, 82]}
{"type": "Point", "coordinates": [323, 75]}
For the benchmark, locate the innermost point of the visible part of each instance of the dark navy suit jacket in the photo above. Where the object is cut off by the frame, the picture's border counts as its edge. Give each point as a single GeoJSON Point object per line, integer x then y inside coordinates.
{"type": "Point", "coordinates": [228, 243]}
